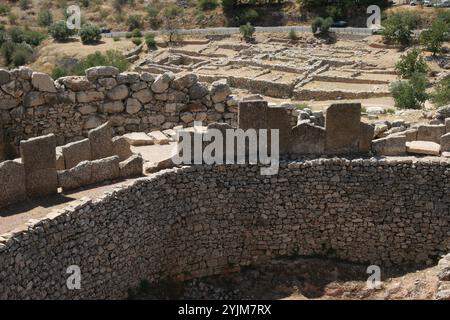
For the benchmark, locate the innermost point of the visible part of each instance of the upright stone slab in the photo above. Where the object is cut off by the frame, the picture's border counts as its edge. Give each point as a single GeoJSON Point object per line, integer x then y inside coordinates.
{"type": "Point", "coordinates": [307, 138]}
{"type": "Point", "coordinates": [278, 118]}
{"type": "Point", "coordinates": [431, 133]}
{"type": "Point", "coordinates": [390, 146]}
{"type": "Point", "coordinates": [76, 152]}
{"type": "Point", "coordinates": [366, 136]}
{"type": "Point", "coordinates": [252, 114]}
{"type": "Point", "coordinates": [39, 160]}
{"type": "Point", "coordinates": [105, 169]}
{"type": "Point", "coordinates": [343, 127]}
{"type": "Point", "coordinates": [445, 142]}
{"type": "Point", "coordinates": [2, 143]}
{"type": "Point", "coordinates": [12, 183]}
{"type": "Point", "coordinates": [122, 148]}
{"type": "Point", "coordinates": [101, 142]}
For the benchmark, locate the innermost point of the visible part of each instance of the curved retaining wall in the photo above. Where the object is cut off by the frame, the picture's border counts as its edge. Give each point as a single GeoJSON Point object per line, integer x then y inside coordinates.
{"type": "Point", "coordinates": [199, 221]}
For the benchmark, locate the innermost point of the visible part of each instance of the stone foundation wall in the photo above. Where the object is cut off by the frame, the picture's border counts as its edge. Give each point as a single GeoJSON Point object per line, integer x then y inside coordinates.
{"type": "Point", "coordinates": [203, 220]}
{"type": "Point", "coordinates": [32, 104]}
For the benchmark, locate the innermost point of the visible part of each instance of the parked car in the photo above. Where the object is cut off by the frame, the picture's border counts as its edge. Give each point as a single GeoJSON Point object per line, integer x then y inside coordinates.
{"type": "Point", "coordinates": [340, 24]}
{"type": "Point", "coordinates": [443, 4]}
{"type": "Point", "coordinates": [414, 2]}
{"type": "Point", "coordinates": [105, 30]}
{"type": "Point", "coordinates": [428, 3]}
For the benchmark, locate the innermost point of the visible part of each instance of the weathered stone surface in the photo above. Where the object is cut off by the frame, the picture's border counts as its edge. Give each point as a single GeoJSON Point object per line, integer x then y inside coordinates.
{"type": "Point", "coordinates": [390, 146]}
{"type": "Point", "coordinates": [105, 169]}
{"type": "Point", "coordinates": [101, 72]}
{"type": "Point", "coordinates": [76, 177]}
{"type": "Point", "coordinates": [12, 183]}
{"type": "Point", "coordinates": [343, 128]}
{"type": "Point", "coordinates": [76, 83]}
{"type": "Point", "coordinates": [60, 163]}
{"type": "Point", "coordinates": [278, 118]}
{"type": "Point", "coordinates": [131, 167]}
{"type": "Point", "coordinates": [423, 147]}
{"type": "Point", "coordinates": [121, 148]}
{"type": "Point", "coordinates": [39, 160]}
{"type": "Point", "coordinates": [307, 138]}
{"type": "Point", "coordinates": [5, 77]}
{"type": "Point", "coordinates": [101, 142]}
{"type": "Point", "coordinates": [2, 142]}
{"type": "Point", "coordinates": [366, 136]}
{"type": "Point", "coordinates": [144, 96]}
{"type": "Point", "coordinates": [162, 82]}
{"type": "Point", "coordinates": [32, 99]}
{"type": "Point", "coordinates": [184, 81]}
{"type": "Point", "coordinates": [445, 142]}
{"type": "Point", "coordinates": [447, 125]}
{"type": "Point", "coordinates": [113, 107]}
{"type": "Point", "coordinates": [252, 114]}
{"type": "Point", "coordinates": [159, 137]}
{"type": "Point", "coordinates": [76, 152]}
{"type": "Point", "coordinates": [430, 133]}
{"type": "Point", "coordinates": [139, 139]}
{"type": "Point", "coordinates": [220, 90]}
{"type": "Point", "coordinates": [118, 93]}
{"type": "Point", "coordinates": [198, 91]}
{"type": "Point", "coordinates": [89, 96]}
{"type": "Point", "coordinates": [43, 82]}
{"type": "Point", "coordinates": [92, 122]}
{"type": "Point", "coordinates": [133, 106]}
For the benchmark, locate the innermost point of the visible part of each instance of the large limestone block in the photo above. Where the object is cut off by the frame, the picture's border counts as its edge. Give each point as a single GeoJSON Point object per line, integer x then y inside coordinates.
{"type": "Point", "coordinates": [76, 177]}
{"type": "Point", "coordinates": [390, 146]}
{"type": "Point", "coordinates": [132, 167]}
{"type": "Point", "coordinates": [252, 114]}
{"type": "Point", "coordinates": [76, 152]}
{"type": "Point", "coordinates": [122, 148]}
{"type": "Point", "coordinates": [445, 142]}
{"type": "Point", "coordinates": [118, 93]}
{"type": "Point", "coordinates": [139, 139]}
{"type": "Point", "coordinates": [219, 90]}
{"type": "Point", "coordinates": [43, 82]}
{"type": "Point", "coordinates": [101, 72]}
{"type": "Point", "coordinates": [39, 160]}
{"type": "Point", "coordinates": [343, 128]}
{"type": "Point", "coordinates": [423, 147]}
{"type": "Point", "coordinates": [159, 137]}
{"type": "Point", "coordinates": [431, 132]}
{"type": "Point", "coordinates": [12, 183]}
{"type": "Point", "coordinates": [101, 142]}
{"type": "Point", "coordinates": [366, 136]}
{"type": "Point", "coordinates": [278, 118]}
{"type": "Point", "coordinates": [307, 138]}
{"type": "Point", "coordinates": [162, 82]}
{"type": "Point", "coordinates": [105, 169]}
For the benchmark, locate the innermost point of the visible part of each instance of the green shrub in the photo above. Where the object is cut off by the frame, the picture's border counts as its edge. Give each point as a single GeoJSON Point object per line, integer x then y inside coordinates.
{"type": "Point", "coordinates": [411, 63]}
{"type": "Point", "coordinates": [60, 32]}
{"type": "Point", "coordinates": [116, 39]}
{"type": "Point", "coordinates": [137, 41]}
{"type": "Point", "coordinates": [85, 3]}
{"type": "Point", "coordinates": [410, 94]}
{"type": "Point", "coordinates": [12, 17]}
{"type": "Point", "coordinates": [441, 94]}
{"type": "Point", "coordinates": [136, 33]}
{"type": "Point", "coordinates": [90, 33]}
{"type": "Point", "coordinates": [45, 18]}
{"type": "Point", "coordinates": [110, 58]}
{"type": "Point", "coordinates": [19, 35]}
{"type": "Point", "coordinates": [128, 35]}
{"type": "Point", "coordinates": [247, 31]}
{"type": "Point", "coordinates": [321, 26]}
{"type": "Point", "coordinates": [150, 41]}
{"type": "Point", "coordinates": [434, 37]}
{"type": "Point", "coordinates": [248, 16]}
{"type": "Point", "coordinates": [292, 35]}
{"type": "Point", "coordinates": [206, 5]}
{"type": "Point", "coordinates": [134, 21]}
{"type": "Point", "coordinates": [24, 4]}
{"type": "Point", "coordinates": [16, 54]}
{"type": "Point", "coordinates": [4, 9]}
{"type": "Point", "coordinates": [398, 28]}
{"type": "Point", "coordinates": [59, 72]}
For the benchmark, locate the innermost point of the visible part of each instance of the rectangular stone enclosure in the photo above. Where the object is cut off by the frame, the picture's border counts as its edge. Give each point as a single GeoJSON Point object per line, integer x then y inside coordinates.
{"type": "Point", "coordinates": [39, 161]}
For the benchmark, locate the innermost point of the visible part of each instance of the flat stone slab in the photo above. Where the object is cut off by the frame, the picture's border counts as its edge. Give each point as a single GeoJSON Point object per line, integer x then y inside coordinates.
{"type": "Point", "coordinates": [159, 137]}
{"type": "Point", "coordinates": [446, 154]}
{"type": "Point", "coordinates": [423, 147]}
{"type": "Point", "coordinates": [139, 139]}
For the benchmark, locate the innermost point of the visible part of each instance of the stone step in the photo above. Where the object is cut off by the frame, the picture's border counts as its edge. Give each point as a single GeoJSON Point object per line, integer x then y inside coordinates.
{"type": "Point", "coordinates": [171, 134]}
{"type": "Point", "coordinates": [423, 147]}
{"type": "Point", "coordinates": [159, 137]}
{"type": "Point", "coordinates": [139, 139]}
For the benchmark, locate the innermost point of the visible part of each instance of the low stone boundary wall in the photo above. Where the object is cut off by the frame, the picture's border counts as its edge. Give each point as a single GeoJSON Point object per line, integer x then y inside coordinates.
{"type": "Point", "coordinates": [204, 220]}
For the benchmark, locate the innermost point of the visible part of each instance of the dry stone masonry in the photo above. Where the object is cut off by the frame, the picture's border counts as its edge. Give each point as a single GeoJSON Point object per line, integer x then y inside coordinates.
{"type": "Point", "coordinates": [205, 220]}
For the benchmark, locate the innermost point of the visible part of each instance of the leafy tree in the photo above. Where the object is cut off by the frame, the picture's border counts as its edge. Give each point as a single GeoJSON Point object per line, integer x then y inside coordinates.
{"type": "Point", "coordinates": [441, 93]}
{"type": "Point", "coordinates": [134, 21]}
{"type": "Point", "coordinates": [321, 26]}
{"type": "Point", "coordinates": [434, 37]}
{"type": "Point", "coordinates": [45, 18]}
{"type": "Point", "coordinates": [171, 16]}
{"type": "Point", "coordinates": [206, 5]}
{"type": "Point", "coordinates": [411, 63]}
{"type": "Point", "coordinates": [152, 16]}
{"type": "Point", "coordinates": [398, 28]}
{"type": "Point", "coordinates": [60, 32]}
{"type": "Point", "coordinates": [150, 41]}
{"type": "Point", "coordinates": [292, 35]}
{"type": "Point", "coordinates": [4, 9]}
{"type": "Point", "coordinates": [247, 31]}
{"type": "Point", "coordinates": [410, 94]}
{"type": "Point", "coordinates": [90, 33]}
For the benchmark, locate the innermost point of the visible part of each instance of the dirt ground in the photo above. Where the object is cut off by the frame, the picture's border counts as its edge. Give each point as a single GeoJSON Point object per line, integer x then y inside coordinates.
{"type": "Point", "coordinates": [302, 279]}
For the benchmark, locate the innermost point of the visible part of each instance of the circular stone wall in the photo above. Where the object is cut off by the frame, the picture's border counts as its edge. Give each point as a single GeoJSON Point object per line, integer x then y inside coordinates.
{"type": "Point", "coordinates": [205, 220]}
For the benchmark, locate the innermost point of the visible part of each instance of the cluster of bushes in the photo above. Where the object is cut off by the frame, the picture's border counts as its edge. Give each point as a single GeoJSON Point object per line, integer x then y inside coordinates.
{"type": "Point", "coordinates": [247, 31]}
{"type": "Point", "coordinates": [17, 44]}
{"type": "Point", "coordinates": [321, 26]}
{"type": "Point", "coordinates": [110, 58]}
{"type": "Point", "coordinates": [410, 92]}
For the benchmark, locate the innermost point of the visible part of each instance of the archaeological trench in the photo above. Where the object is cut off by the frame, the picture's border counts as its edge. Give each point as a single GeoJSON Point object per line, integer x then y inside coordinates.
{"type": "Point", "coordinates": [339, 192]}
